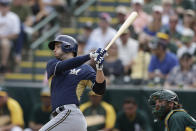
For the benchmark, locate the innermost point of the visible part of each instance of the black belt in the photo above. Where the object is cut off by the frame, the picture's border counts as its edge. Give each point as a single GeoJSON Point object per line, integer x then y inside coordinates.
{"type": "Point", "coordinates": [55, 113]}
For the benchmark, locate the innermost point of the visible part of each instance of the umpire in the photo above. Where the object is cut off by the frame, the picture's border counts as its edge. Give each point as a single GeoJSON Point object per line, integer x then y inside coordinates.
{"type": "Point", "coordinates": [68, 77]}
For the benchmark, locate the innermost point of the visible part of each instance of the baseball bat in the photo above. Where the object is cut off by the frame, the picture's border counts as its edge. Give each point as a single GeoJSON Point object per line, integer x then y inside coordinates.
{"type": "Point", "coordinates": [124, 26]}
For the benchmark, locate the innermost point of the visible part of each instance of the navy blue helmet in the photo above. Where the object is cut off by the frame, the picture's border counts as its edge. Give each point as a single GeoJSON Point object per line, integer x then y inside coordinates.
{"type": "Point", "coordinates": [69, 44]}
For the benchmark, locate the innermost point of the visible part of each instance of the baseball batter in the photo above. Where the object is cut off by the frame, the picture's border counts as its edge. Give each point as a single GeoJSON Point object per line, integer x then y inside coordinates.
{"type": "Point", "coordinates": [69, 76]}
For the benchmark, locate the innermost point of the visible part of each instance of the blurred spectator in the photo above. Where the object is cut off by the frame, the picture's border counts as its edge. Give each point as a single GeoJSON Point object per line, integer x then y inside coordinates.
{"type": "Point", "coordinates": [11, 115]}
{"type": "Point", "coordinates": [127, 50]}
{"type": "Point", "coordinates": [143, 18]}
{"type": "Point", "coordinates": [172, 30]}
{"type": "Point", "coordinates": [162, 61]}
{"type": "Point", "coordinates": [167, 11]}
{"type": "Point", "coordinates": [23, 11]}
{"type": "Point", "coordinates": [38, 9]}
{"type": "Point", "coordinates": [41, 112]}
{"type": "Point", "coordinates": [194, 29]}
{"type": "Point", "coordinates": [131, 118]}
{"type": "Point", "coordinates": [149, 4]}
{"type": "Point", "coordinates": [51, 4]}
{"type": "Point", "coordinates": [140, 64]}
{"type": "Point", "coordinates": [155, 24]}
{"type": "Point", "coordinates": [87, 30]}
{"type": "Point", "coordinates": [184, 75]}
{"type": "Point", "coordinates": [188, 19]}
{"type": "Point", "coordinates": [26, 19]}
{"type": "Point", "coordinates": [101, 35]}
{"type": "Point", "coordinates": [113, 68]}
{"type": "Point", "coordinates": [121, 12]}
{"type": "Point", "coordinates": [99, 115]}
{"type": "Point", "coordinates": [81, 44]}
{"type": "Point", "coordinates": [184, 4]}
{"type": "Point", "coordinates": [188, 45]}
{"type": "Point", "coordinates": [172, 47]}
{"type": "Point", "coordinates": [9, 30]}
{"type": "Point", "coordinates": [145, 37]}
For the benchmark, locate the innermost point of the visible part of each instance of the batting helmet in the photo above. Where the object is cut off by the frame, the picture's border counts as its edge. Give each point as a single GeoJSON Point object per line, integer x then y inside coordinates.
{"type": "Point", "coordinates": [69, 44]}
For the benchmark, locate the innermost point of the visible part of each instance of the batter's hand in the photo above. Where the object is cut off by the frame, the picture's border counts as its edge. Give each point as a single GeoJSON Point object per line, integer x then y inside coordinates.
{"type": "Point", "coordinates": [99, 63]}
{"type": "Point", "coordinates": [98, 53]}
{"type": "Point", "coordinates": [102, 52]}
{"type": "Point", "coordinates": [100, 58]}
{"type": "Point", "coordinates": [93, 55]}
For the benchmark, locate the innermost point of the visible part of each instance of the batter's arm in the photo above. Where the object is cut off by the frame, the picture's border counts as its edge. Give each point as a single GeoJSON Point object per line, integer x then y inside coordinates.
{"type": "Point", "coordinates": [100, 84]}
{"type": "Point", "coordinates": [71, 63]}
{"type": "Point", "coordinates": [100, 78]}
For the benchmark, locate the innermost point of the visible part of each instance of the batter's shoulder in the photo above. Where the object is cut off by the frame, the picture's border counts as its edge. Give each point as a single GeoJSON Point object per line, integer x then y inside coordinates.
{"type": "Point", "coordinates": [51, 67]}
{"type": "Point", "coordinates": [51, 61]}
{"type": "Point", "coordinates": [88, 67]}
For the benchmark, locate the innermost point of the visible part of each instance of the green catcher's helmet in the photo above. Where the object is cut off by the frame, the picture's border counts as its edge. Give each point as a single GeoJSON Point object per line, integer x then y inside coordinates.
{"type": "Point", "coordinates": [166, 95]}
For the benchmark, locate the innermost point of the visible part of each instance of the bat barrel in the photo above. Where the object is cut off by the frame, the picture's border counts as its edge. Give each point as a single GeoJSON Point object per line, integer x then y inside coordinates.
{"type": "Point", "coordinates": [125, 25]}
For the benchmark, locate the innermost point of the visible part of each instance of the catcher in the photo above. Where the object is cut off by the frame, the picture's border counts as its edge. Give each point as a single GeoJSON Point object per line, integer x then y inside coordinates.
{"type": "Point", "coordinates": [165, 106]}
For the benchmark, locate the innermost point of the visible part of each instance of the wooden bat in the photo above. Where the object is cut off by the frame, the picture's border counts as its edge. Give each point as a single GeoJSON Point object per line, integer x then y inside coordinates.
{"type": "Point", "coordinates": [124, 26]}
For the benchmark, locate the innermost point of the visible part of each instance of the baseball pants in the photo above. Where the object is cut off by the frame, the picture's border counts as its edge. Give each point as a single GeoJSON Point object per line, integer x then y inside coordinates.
{"type": "Point", "coordinates": [71, 119]}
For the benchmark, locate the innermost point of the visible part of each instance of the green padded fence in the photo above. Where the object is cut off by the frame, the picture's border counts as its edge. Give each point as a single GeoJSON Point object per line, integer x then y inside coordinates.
{"type": "Point", "coordinates": [29, 96]}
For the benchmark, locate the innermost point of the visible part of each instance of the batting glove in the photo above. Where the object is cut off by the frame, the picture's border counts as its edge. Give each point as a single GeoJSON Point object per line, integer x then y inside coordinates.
{"type": "Point", "coordinates": [102, 52]}
{"type": "Point", "coordinates": [98, 53]}
{"type": "Point", "coordinates": [99, 63]}
{"type": "Point", "coordinates": [93, 55]}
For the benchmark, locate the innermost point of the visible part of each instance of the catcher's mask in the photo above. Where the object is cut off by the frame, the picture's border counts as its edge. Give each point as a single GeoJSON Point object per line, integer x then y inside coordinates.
{"type": "Point", "coordinates": [162, 95]}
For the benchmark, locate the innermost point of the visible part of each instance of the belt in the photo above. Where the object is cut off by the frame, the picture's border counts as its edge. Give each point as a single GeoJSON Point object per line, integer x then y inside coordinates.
{"type": "Point", "coordinates": [58, 110]}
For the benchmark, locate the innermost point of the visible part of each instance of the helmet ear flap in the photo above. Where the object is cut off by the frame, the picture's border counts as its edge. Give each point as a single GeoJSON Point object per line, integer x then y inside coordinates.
{"type": "Point", "coordinates": [51, 45]}
{"type": "Point", "coordinates": [75, 54]}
